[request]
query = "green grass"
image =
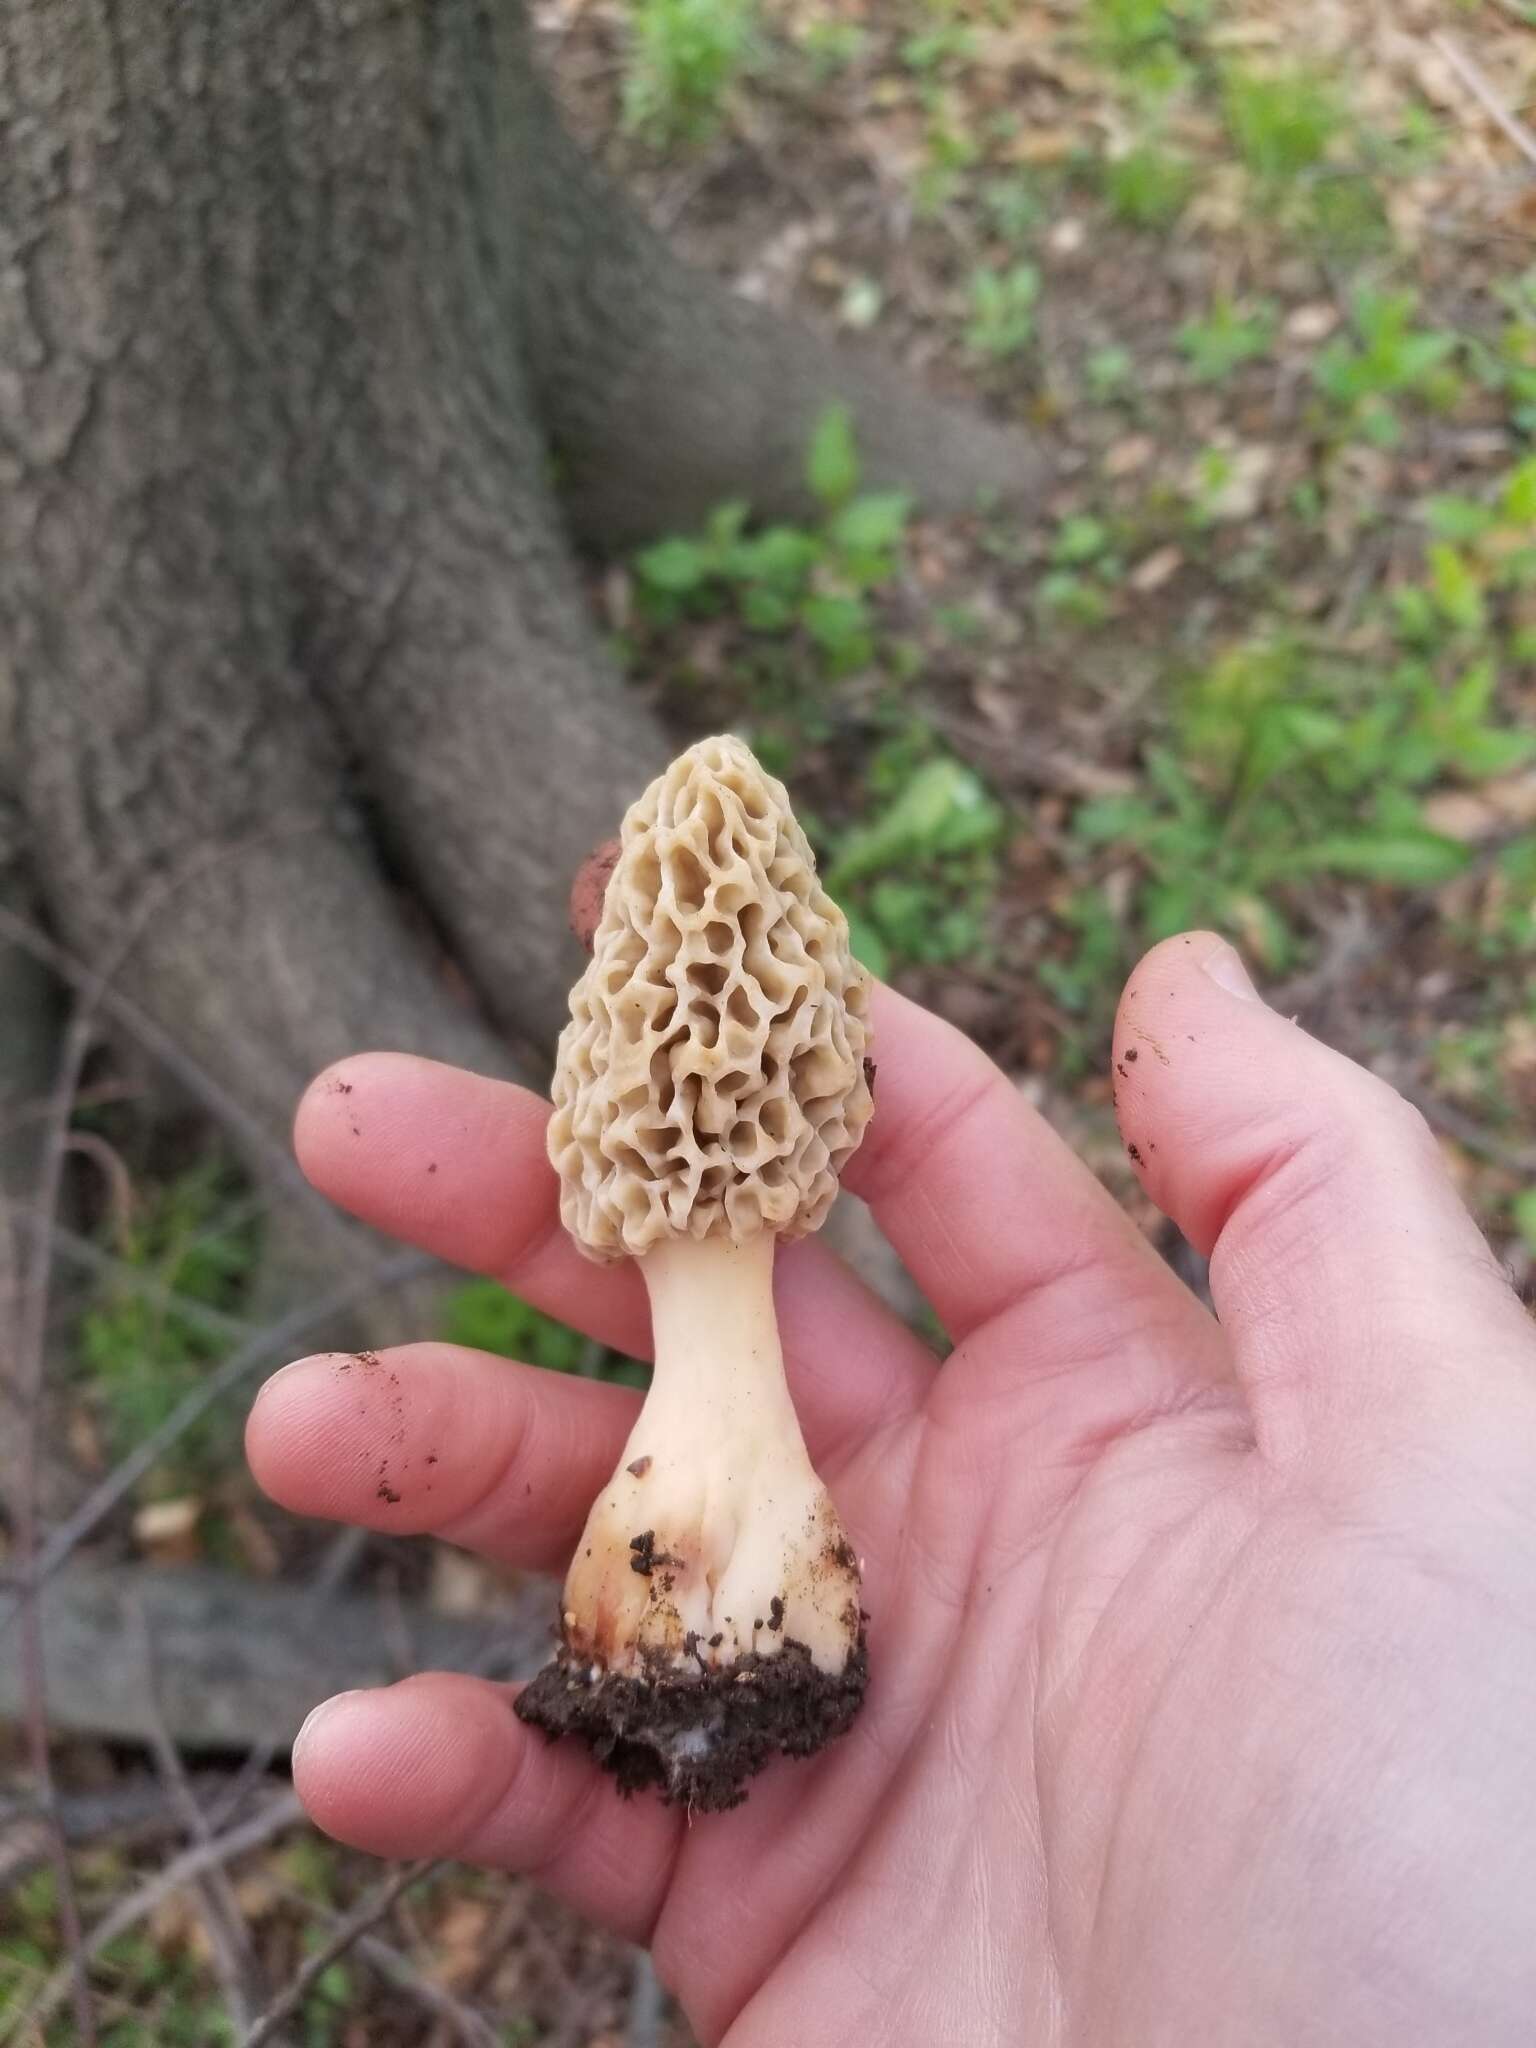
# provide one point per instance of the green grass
(486, 1317)
(1283, 123)
(918, 874)
(140, 1345)
(809, 585)
(1229, 336)
(684, 57)
(1149, 186)
(1002, 312)
(1385, 359)
(916, 867)
(1284, 763)
(1147, 44)
(149, 1993)
(832, 47)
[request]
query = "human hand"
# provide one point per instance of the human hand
(1202, 1705)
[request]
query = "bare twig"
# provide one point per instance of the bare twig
(163, 1048)
(1478, 86)
(282, 1812)
(365, 1916)
(260, 1349)
(147, 1286)
(97, 1096)
(469, 2025)
(135, 1810)
(31, 1337)
(114, 1171)
(234, 1958)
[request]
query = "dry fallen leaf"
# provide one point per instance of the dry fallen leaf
(1125, 457)
(1472, 815)
(1157, 569)
(166, 1530)
(1313, 322)
(1238, 491)
(459, 1940)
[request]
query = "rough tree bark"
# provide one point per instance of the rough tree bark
(298, 299)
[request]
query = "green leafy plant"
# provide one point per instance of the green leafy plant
(1147, 41)
(184, 1245)
(1506, 927)
(1108, 372)
(486, 1317)
(813, 582)
(1015, 206)
(1387, 356)
(1479, 548)
(1086, 973)
(684, 56)
(917, 877)
(941, 46)
(1002, 311)
(1282, 122)
(1466, 1066)
(832, 46)
(1229, 336)
(1506, 364)
(1083, 562)
(1282, 764)
(1148, 186)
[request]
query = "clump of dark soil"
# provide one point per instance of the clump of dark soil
(697, 1737)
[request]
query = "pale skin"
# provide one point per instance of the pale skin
(1203, 1694)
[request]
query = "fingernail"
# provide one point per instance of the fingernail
(316, 1715)
(1225, 967)
(282, 1373)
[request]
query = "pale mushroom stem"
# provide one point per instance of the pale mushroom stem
(714, 1539)
(719, 1364)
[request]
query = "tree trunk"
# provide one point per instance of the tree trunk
(297, 302)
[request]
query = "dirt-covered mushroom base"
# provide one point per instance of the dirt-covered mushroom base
(698, 1737)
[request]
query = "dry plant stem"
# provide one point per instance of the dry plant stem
(468, 2024)
(1476, 84)
(81, 1252)
(234, 1958)
(136, 1812)
(32, 1324)
(365, 1916)
(282, 1812)
(162, 1048)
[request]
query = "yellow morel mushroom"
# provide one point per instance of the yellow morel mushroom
(709, 1088)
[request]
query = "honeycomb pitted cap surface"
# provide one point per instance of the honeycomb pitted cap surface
(711, 1080)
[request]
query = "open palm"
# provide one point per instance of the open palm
(1203, 1657)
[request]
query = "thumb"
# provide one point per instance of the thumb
(1344, 1267)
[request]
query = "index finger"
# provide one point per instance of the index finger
(455, 1162)
(986, 1205)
